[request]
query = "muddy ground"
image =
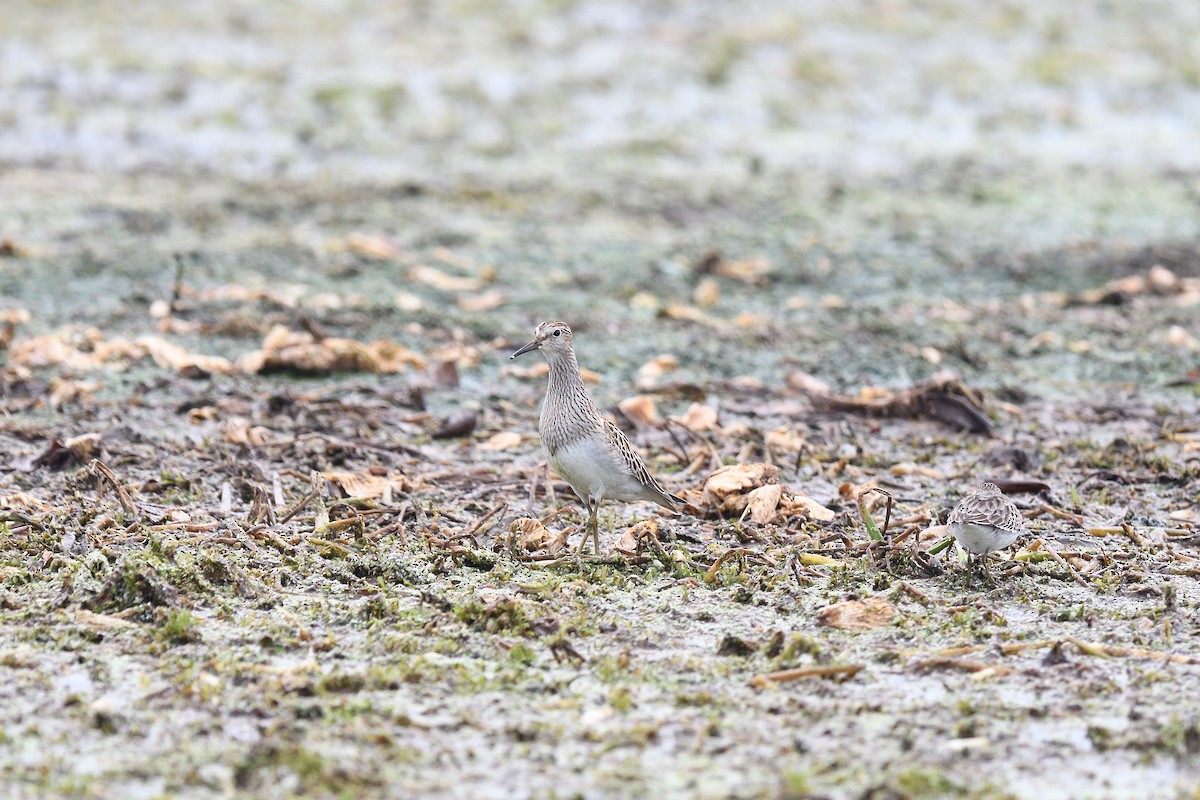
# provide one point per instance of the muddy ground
(244, 247)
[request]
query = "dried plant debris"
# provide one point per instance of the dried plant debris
(526, 535)
(753, 271)
(10, 320)
(1158, 280)
(858, 615)
(369, 485)
(457, 425)
(944, 398)
(133, 584)
(752, 491)
(274, 519)
(284, 350)
(73, 452)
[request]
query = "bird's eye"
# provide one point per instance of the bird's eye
(558, 333)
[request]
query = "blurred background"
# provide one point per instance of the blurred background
(244, 243)
(856, 156)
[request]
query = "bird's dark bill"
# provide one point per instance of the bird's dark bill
(526, 349)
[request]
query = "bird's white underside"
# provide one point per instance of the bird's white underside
(595, 471)
(978, 539)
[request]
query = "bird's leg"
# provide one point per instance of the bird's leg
(587, 502)
(593, 527)
(596, 524)
(987, 571)
(550, 488)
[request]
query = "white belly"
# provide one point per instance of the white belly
(982, 538)
(594, 471)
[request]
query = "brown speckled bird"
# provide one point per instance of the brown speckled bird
(985, 521)
(585, 448)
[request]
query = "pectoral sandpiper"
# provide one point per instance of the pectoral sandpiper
(585, 448)
(985, 521)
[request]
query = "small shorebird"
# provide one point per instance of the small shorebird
(985, 521)
(582, 446)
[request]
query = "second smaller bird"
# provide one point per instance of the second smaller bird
(985, 521)
(585, 448)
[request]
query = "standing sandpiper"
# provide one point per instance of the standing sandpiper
(590, 452)
(985, 521)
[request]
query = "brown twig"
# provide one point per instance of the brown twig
(475, 526)
(842, 671)
(963, 664)
(711, 574)
(1062, 563)
(1102, 650)
(908, 588)
(1046, 508)
(100, 469)
(298, 507)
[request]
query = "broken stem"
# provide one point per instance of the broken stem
(842, 671)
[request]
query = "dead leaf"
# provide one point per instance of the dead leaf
(24, 502)
(376, 247)
(238, 430)
(1177, 336)
(456, 425)
(748, 319)
(796, 302)
(462, 354)
(943, 397)
(75, 451)
(858, 615)
(646, 301)
(50, 351)
(283, 297)
(1162, 280)
(407, 301)
(172, 356)
(630, 541)
(532, 536)
(639, 408)
(100, 622)
(737, 479)
(909, 468)
(202, 414)
(484, 301)
(698, 417)
(832, 301)
(784, 440)
(707, 293)
(688, 313)
(179, 327)
(284, 350)
(431, 276)
(367, 486)
(10, 248)
(649, 373)
(763, 503)
(726, 492)
(1158, 280)
(801, 505)
(808, 384)
(505, 440)
(65, 391)
(753, 271)
(10, 320)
